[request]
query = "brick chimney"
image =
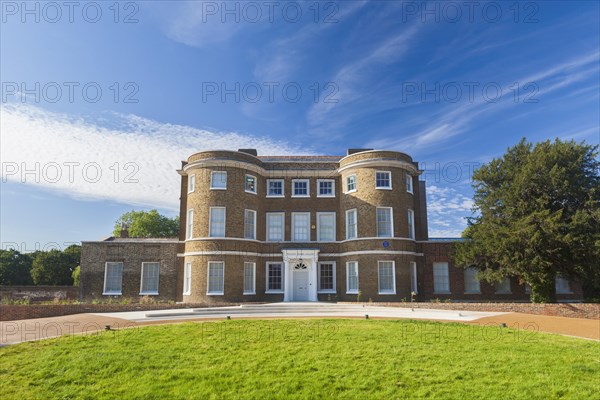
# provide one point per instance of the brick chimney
(124, 231)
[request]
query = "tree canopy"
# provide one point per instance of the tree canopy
(15, 268)
(146, 224)
(537, 214)
(55, 267)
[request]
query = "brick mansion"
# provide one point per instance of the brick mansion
(294, 228)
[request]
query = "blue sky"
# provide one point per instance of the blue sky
(452, 86)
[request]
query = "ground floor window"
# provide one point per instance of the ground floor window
(113, 278)
(216, 277)
(562, 285)
(413, 278)
(326, 277)
(503, 286)
(274, 278)
(387, 275)
(441, 281)
(187, 278)
(150, 274)
(249, 278)
(471, 281)
(352, 277)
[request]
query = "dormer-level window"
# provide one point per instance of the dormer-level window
(191, 183)
(351, 184)
(326, 188)
(218, 180)
(250, 184)
(300, 188)
(383, 180)
(275, 188)
(409, 183)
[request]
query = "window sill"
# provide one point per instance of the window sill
(350, 191)
(191, 191)
(443, 292)
(249, 293)
(478, 292)
(503, 293)
(304, 196)
(274, 292)
(215, 188)
(383, 188)
(187, 293)
(384, 293)
(148, 293)
(215, 293)
(326, 292)
(248, 191)
(564, 292)
(410, 192)
(329, 196)
(352, 292)
(275, 196)
(112, 293)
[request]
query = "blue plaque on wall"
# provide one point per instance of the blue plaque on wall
(386, 244)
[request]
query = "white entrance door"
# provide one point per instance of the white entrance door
(300, 285)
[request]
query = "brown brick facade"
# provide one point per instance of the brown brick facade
(234, 249)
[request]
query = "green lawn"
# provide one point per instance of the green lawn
(317, 359)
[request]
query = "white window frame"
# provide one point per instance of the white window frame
(445, 290)
(414, 284)
(389, 173)
(253, 266)
(294, 227)
(274, 291)
(411, 224)
(332, 213)
(470, 277)
(409, 184)
(210, 233)
(562, 285)
(189, 227)
(319, 181)
(253, 223)
(255, 184)
(282, 215)
(307, 188)
(355, 184)
(393, 290)
(319, 290)
(355, 236)
(214, 292)
(149, 293)
(502, 290)
(348, 290)
(191, 183)
(212, 180)
(391, 235)
(113, 292)
(282, 188)
(187, 279)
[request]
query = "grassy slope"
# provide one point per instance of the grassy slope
(304, 359)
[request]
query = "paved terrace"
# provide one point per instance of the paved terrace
(299, 310)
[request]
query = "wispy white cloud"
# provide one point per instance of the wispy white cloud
(447, 209)
(196, 23)
(356, 79)
(143, 151)
(455, 119)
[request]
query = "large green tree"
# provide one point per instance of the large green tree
(15, 268)
(147, 224)
(537, 214)
(53, 267)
